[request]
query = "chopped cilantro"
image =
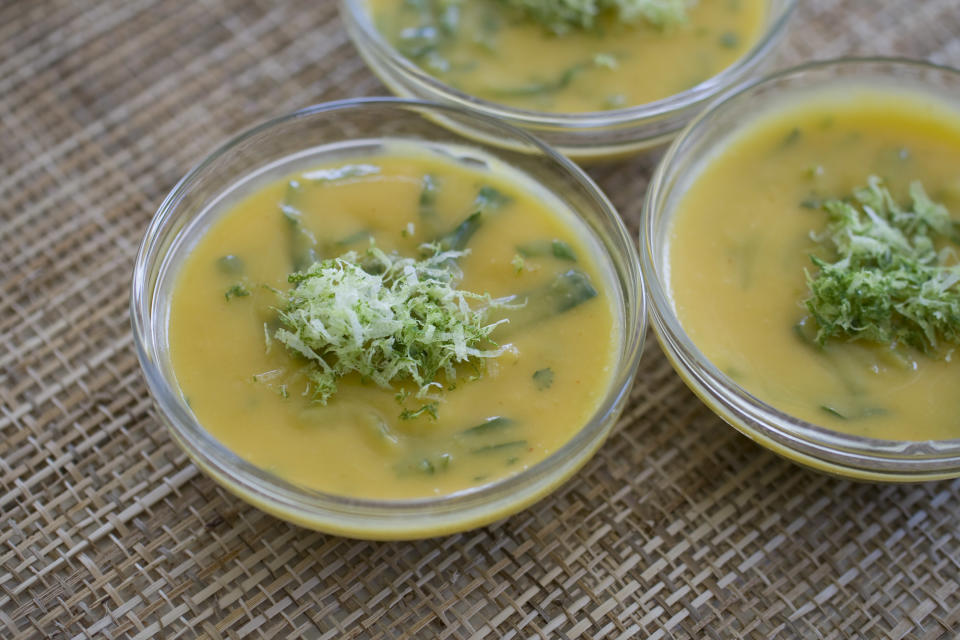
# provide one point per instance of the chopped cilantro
(563, 16)
(430, 408)
(543, 378)
(238, 290)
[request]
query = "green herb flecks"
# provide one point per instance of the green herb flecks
(459, 236)
(563, 16)
(491, 425)
(301, 241)
(890, 282)
(500, 447)
(238, 290)
(388, 319)
(543, 378)
(858, 413)
(429, 188)
(542, 87)
(429, 409)
(426, 465)
(557, 248)
(729, 40)
(490, 199)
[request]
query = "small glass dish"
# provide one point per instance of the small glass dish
(585, 137)
(823, 449)
(267, 150)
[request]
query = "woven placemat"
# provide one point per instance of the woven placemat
(679, 528)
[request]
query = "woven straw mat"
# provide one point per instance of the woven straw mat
(679, 528)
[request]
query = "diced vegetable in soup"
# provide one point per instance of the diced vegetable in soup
(814, 260)
(571, 57)
(397, 325)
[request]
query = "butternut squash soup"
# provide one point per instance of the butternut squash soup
(814, 260)
(395, 325)
(565, 57)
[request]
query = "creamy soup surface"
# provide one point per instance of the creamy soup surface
(741, 240)
(528, 402)
(492, 54)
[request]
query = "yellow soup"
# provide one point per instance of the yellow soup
(487, 51)
(741, 242)
(249, 391)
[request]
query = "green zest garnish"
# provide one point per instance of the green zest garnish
(895, 279)
(562, 16)
(387, 318)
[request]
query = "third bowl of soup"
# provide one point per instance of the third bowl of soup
(800, 242)
(595, 79)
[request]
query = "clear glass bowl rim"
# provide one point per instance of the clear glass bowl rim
(576, 121)
(308, 503)
(898, 460)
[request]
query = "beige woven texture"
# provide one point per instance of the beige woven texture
(679, 528)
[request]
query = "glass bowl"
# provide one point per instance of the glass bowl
(272, 149)
(814, 446)
(584, 137)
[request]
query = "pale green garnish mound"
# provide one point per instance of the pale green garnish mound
(896, 279)
(388, 318)
(562, 16)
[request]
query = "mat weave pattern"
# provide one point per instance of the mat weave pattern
(679, 528)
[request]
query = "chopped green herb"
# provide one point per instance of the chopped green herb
(566, 291)
(503, 446)
(459, 237)
(490, 199)
(729, 40)
(430, 409)
(387, 318)
(302, 242)
(496, 423)
(562, 251)
(429, 187)
(792, 138)
(889, 283)
(541, 87)
(518, 263)
(856, 414)
(231, 265)
(543, 378)
(557, 248)
(563, 16)
(238, 290)
(429, 466)
(569, 290)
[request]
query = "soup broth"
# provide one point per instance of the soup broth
(496, 55)
(248, 390)
(741, 243)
